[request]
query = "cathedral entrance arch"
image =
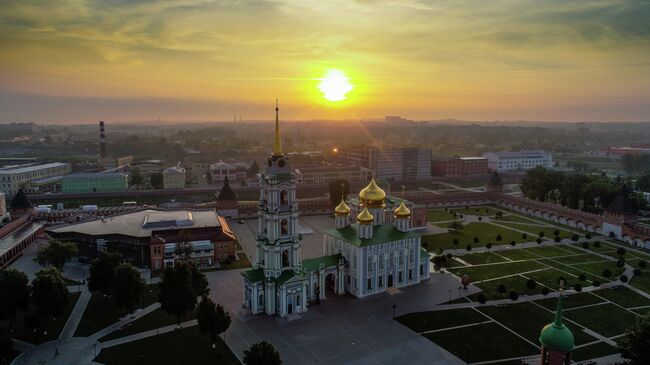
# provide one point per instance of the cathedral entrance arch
(285, 258)
(390, 280)
(330, 285)
(290, 308)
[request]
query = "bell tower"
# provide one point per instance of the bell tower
(278, 244)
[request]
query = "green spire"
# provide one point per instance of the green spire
(556, 336)
(558, 311)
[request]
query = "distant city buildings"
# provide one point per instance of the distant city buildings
(99, 182)
(318, 174)
(174, 178)
(634, 149)
(220, 170)
(32, 178)
(400, 163)
(109, 163)
(518, 161)
(148, 167)
(154, 239)
(459, 166)
(3, 206)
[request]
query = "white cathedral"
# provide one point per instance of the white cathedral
(363, 258)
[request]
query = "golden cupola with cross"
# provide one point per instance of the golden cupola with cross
(372, 196)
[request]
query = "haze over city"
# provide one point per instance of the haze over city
(80, 61)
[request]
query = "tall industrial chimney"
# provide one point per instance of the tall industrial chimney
(102, 141)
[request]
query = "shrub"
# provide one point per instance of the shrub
(541, 234)
(582, 277)
(597, 244)
(449, 256)
(481, 298)
(524, 236)
(623, 278)
(585, 244)
(531, 284)
(480, 218)
(620, 262)
(513, 295)
(502, 289)
(643, 264)
(499, 238)
(556, 232)
(539, 241)
(455, 241)
(488, 245)
(475, 240)
(513, 243)
(588, 236)
(577, 287)
(607, 273)
(461, 216)
(557, 239)
(468, 248)
(595, 283)
(621, 251)
(575, 237)
(545, 291)
(637, 272)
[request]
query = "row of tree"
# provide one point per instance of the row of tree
(586, 192)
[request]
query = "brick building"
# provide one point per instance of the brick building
(459, 166)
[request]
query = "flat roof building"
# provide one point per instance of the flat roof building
(174, 178)
(459, 166)
(518, 161)
(13, 178)
(100, 182)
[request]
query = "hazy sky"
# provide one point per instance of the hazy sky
(85, 60)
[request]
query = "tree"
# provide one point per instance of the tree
(556, 232)
(620, 251)
(524, 236)
(596, 244)
(14, 294)
(338, 189)
(539, 240)
(513, 243)
(575, 237)
(253, 170)
(200, 282)
(49, 293)
(582, 277)
(213, 320)
(643, 264)
(557, 239)
(56, 253)
(262, 353)
(623, 278)
(635, 347)
(468, 247)
(606, 273)
(499, 215)
(577, 287)
(102, 271)
(177, 293)
(531, 284)
(502, 289)
(585, 244)
(475, 240)
(513, 295)
(127, 286)
(545, 291)
(156, 180)
(456, 226)
(595, 283)
(499, 238)
(455, 241)
(135, 178)
(488, 245)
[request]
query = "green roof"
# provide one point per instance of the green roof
(254, 275)
(328, 261)
(556, 336)
(284, 277)
(424, 254)
(382, 233)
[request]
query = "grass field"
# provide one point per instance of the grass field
(484, 211)
(485, 232)
(624, 297)
(439, 215)
(434, 320)
(615, 322)
(101, 311)
(156, 319)
(183, 347)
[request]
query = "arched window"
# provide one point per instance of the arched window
(284, 197)
(284, 227)
(285, 258)
(261, 300)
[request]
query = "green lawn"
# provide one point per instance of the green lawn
(579, 259)
(605, 248)
(536, 318)
(607, 319)
(571, 301)
(439, 215)
(514, 218)
(102, 312)
(484, 231)
(484, 211)
(482, 342)
(550, 277)
(156, 319)
(554, 251)
(624, 297)
(642, 282)
(516, 254)
(512, 283)
(596, 268)
(482, 258)
(53, 326)
(593, 351)
(434, 320)
(549, 232)
(186, 346)
(478, 273)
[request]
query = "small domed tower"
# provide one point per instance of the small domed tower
(342, 215)
(373, 198)
(365, 226)
(556, 339)
(402, 218)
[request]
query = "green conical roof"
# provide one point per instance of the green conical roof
(556, 336)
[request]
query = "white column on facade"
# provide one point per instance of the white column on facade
(304, 297)
(321, 284)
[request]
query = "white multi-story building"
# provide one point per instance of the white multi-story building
(13, 178)
(518, 161)
(3, 206)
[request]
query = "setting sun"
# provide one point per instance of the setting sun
(335, 85)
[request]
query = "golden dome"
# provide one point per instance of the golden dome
(372, 195)
(342, 208)
(402, 211)
(365, 217)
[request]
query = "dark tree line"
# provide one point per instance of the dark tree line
(586, 192)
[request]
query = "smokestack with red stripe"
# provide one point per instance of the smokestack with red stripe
(102, 141)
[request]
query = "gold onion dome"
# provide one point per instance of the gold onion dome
(402, 211)
(372, 195)
(365, 217)
(342, 208)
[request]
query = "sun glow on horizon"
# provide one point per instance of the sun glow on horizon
(335, 85)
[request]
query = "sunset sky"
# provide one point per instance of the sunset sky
(117, 60)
